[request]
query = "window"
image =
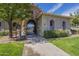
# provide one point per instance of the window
(64, 25)
(51, 24)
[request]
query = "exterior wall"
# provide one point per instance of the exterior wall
(4, 25)
(57, 23)
(43, 24)
(39, 26)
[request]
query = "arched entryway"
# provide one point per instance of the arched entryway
(31, 27)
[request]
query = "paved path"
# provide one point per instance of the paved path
(5, 39)
(42, 49)
(76, 35)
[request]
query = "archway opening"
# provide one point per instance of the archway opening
(31, 27)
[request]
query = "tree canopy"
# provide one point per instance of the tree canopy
(13, 11)
(75, 20)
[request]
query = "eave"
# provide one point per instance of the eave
(59, 16)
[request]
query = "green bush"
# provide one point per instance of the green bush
(3, 33)
(47, 34)
(55, 34)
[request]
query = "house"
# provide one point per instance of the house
(53, 22)
(49, 22)
(44, 21)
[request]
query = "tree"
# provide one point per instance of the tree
(22, 15)
(75, 20)
(12, 11)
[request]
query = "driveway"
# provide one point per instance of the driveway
(42, 48)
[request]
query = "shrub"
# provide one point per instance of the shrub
(47, 34)
(55, 33)
(3, 33)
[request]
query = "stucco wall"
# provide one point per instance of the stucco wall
(4, 25)
(39, 26)
(57, 23)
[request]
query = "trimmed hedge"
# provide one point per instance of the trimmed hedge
(3, 33)
(55, 34)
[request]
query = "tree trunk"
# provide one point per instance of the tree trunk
(10, 28)
(20, 29)
(20, 33)
(4, 28)
(16, 32)
(10, 19)
(26, 32)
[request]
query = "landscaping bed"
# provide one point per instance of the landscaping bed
(4, 33)
(68, 44)
(56, 33)
(11, 49)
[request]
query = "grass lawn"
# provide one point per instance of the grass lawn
(68, 44)
(11, 49)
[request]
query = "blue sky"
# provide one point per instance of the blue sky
(59, 8)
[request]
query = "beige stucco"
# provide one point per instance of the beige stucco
(45, 23)
(4, 25)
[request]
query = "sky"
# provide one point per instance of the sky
(59, 8)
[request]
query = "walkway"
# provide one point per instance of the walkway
(5, 39)
(42, 49)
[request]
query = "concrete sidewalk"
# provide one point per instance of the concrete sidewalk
(5, 39)
(43, 49)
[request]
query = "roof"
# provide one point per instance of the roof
(49, 14)
(54, 15)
